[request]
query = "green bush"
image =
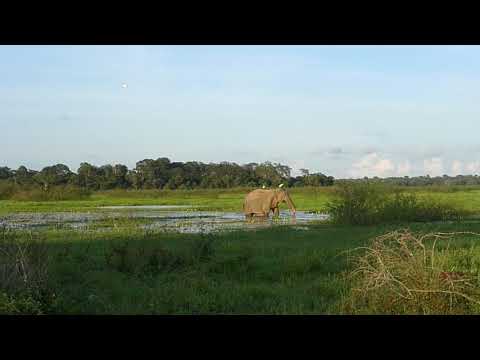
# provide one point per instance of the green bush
(367, 204)
(19, 305)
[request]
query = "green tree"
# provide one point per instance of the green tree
(53, 175)
(88, 176)
(5, 173)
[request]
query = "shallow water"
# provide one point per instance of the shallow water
(148, 207)
(157, 218)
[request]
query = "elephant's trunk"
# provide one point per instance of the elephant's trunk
(290, 204)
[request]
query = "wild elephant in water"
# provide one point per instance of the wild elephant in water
(260, 202)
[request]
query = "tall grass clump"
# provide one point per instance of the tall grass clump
(55, 193)
(406, 273)
(24, 274)
(145, 257)
(367, 204)
(7, 189)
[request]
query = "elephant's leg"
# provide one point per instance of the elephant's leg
(276, 212)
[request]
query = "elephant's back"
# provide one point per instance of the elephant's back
(257, 200)
(258, 193)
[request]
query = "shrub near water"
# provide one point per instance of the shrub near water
(367, 204)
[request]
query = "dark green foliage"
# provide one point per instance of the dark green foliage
(150, 257)
(444, 181)
(312, 180)
(5, 173)
(157, 174)
(203, 249)
(53, 175)
(103, 177)
(372, 203)
(141, 258)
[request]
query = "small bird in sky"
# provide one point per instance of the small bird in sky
(124, 85)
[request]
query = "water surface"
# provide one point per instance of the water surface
(179, 218)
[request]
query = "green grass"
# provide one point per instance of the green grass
(279, 270)
(272, 271)
(306, 199)
(313, 199)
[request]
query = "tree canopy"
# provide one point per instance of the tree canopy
(164, 174)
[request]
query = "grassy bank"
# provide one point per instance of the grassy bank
(313, 199)
(280, 270)
(307, 198)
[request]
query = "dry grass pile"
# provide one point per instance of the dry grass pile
(24, 274)
(407, 273)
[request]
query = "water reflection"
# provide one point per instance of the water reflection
(154, 219)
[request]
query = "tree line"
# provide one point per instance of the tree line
(163, 174)
(426, 180)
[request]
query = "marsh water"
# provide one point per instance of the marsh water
(180, 218)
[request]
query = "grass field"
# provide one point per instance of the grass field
(307, 199)
(279, 270)
(274, 271)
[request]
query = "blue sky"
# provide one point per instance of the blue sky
(347, 111)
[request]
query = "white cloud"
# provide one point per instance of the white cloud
(433, 166)
(473, 167)
(404, 168)
(296, 165)
(457, 167)
(372, 165)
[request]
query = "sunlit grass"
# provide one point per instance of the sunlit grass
(305, 199)
(281, 270)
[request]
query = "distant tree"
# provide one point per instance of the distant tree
(5, 173)
(24, 176)
(133, 179)
(268, 174)
(153, 174)
(88, 176)
(120, 174)
(162, 173)
(53, 175)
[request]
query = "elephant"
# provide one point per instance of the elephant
(260, 202)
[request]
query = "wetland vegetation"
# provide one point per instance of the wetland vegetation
(278, 270)
(93, 254)
(120, 265)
